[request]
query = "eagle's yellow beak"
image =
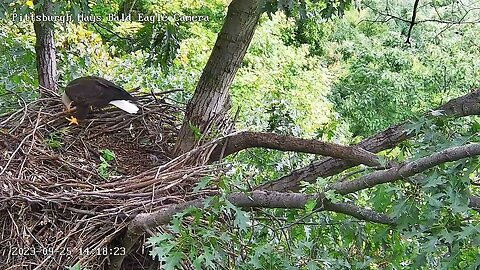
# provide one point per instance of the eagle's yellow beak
(72, 120)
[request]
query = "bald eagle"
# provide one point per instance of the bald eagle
(91, 91)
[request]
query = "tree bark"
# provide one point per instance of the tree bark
(406, 170)
(211, 99)
(466, 105)
(255, 199)
(141, 222)
(248, 139)
(45, 48)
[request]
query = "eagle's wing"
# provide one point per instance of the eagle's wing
(95, 91)
(117, 96)
(98, 92)
(112, 91)
(83, 92)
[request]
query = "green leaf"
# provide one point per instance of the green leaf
(176, 224)
(312, 266)
(434, 180)
(459, 200)
(310, 205)
(333, 196)
(255, 261)
(162, 251)
(173, 260)
(107, 154)
(435, 201)
(241, 220)
(447, 236)
(77, 266)
(202, 184)
(209, 258)
(197, 262)
(159, 238)
(467, 231)
(197, 133)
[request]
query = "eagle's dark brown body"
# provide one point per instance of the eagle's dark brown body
(91, 91)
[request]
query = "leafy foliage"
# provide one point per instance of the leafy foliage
(321, 9)
(154, 27)
(338, 80)
(75, 267)
(384, 70)
(281, 85)
(17, 66)
(106, 157)
(55, 139)
(382, 79)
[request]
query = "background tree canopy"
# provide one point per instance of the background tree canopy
(333, 71)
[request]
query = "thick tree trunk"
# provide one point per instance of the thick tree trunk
(211, 99)
(45, 48)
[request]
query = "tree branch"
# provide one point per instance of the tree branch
(474, 203)
(466, 105)
(389, 16)
(291, 200)
(440, 20)
(412, 22)
(256, 199)
(137, 226)
(407, 169)
(248, 139)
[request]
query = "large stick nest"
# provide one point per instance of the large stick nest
(58, 194)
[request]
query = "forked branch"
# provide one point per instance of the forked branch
(408, 169)
(466, 105)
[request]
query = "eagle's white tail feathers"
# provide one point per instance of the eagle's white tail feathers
(125, 105)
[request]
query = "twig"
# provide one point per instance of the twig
(31, 144)
(412, 22)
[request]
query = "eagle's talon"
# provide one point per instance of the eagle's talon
(72, 120)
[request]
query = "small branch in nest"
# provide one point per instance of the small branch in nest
(229, 130)
(58, 175)
(31, 144)
(153, 95)
(169, 91)
(15, 152)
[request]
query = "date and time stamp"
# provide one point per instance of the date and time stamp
(66, 251)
